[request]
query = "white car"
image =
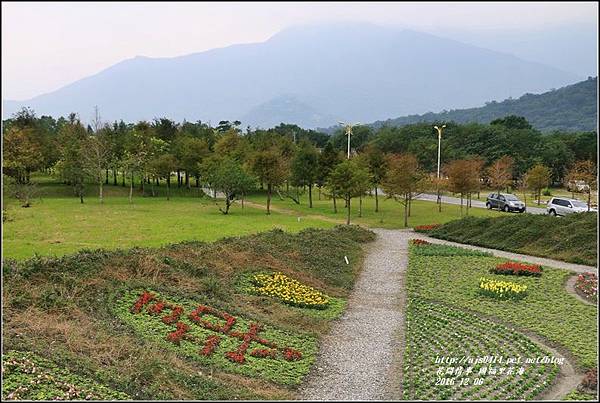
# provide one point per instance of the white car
(563, 206)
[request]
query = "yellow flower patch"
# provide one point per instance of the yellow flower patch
(502, 289)
(288, 290)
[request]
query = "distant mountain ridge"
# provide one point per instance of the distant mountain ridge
(571, 108)
(309, 75)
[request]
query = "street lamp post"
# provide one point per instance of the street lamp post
(348, 127)
(439, 197)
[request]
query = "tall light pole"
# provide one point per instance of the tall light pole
(349, 127)
(439, 131)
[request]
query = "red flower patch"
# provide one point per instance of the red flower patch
(517, 269)
(178, 334)
(263, 353)
(211, 344)
(425, 228)
(199, 317)
(173, 317)
(418, 242)
(289, 354)
(157, 308)
(141, 301)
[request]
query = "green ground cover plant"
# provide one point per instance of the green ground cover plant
(572, 238)
(445, 250)
(548, 310)
(26, 376)
(64, 309)
(195, 342)
(437, 331)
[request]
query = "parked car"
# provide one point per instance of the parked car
(505, 202)
(564, 206)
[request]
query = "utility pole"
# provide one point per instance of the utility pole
(439, 197)
(348, 127)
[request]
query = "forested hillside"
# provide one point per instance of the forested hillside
(571, 108)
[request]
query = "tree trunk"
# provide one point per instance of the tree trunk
(131, 190)
(106, 176)
(123, 179)
(178, 178)
(114, 177)
(348, 216)
(376, 201)
(539, 195)
(169, 187)
(101, 198)
(589, 198)
(406, 199)
(409, 204)
(187, 180)
(319, 187)
(197, 181)
(334, 204)
(360, 206)
(309, 196)
(269, 199)
(461, 204)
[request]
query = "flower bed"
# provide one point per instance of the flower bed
(426, 228)
(517, 269)
(587, 286)
(435, 249)
(26, 376)
(287, 290)
(419, 242)
(435, 331)
(215, 337)
(501, 289)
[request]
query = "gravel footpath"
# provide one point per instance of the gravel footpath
(579, 268)
(358, 358)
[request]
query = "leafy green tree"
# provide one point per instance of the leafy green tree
(304, 168)
(227, 175)
(512, 122)
(71, 166)
(22, 153)
(349, 179)
(96, 157)
(162, 167)
(270, 168)
(328, 159)
(403, 180)
(376, 164)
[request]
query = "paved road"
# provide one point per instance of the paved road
(474, 203)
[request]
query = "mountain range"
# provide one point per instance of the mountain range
(571, 108)
(311, 75)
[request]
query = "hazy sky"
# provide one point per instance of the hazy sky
(47, 45)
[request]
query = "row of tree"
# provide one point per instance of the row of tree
(286, 160)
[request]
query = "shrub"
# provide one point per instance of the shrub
(546, 192)
(572, 238)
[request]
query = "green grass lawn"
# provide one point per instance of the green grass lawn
(547, 310)
(74, 317)
(60, 225)
(390, 215)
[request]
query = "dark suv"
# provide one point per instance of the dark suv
(505, 202)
